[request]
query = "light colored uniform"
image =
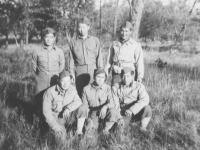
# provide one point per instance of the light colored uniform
(95, 98)
(128, 54)
(133, 98)
(47, 64)
(55, 101)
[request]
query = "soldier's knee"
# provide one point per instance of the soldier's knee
(112, 111)
(147, 111)
(82, 112)
(112, 115)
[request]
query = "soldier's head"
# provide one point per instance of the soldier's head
(126, 31)
(127, 75)
(99, 76)
(49, 37)
(65, 79)
(83, 26)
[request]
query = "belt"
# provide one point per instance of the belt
(124, 64)
(96, 108)
(48, 73)
(85, 64)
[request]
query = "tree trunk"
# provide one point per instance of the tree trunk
(7, 31)
(27, 36)
(21, 43)
(115, 19)
(100, 21)
(6, 44)
(136, 8)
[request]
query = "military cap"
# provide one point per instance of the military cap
(127, 24)
(126, 70)
(48, 31)
(64, 74)
(85, 20)
(99, 71)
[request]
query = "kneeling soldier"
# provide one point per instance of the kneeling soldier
(60, 103)
(131, 100)
(97, 97)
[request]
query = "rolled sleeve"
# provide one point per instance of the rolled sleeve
(115, 96)
(110, 103)
(99, 58)
(62, 61)
(109, 60)
(143, 100)
(47, 111)
(139, 61)
(84, 98)
(71, 61)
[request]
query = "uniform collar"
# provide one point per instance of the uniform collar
(130, 40)
(61, 91)
(102, 87)
(132, 84)
(78, 37)
(45, 47)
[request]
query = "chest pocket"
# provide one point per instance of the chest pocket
(54, 57)
(42, 58)
(90, 48)
(78, 51)
(103, 98)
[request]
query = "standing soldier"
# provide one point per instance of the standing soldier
(125, 53)
(85, 55)
(47, 62)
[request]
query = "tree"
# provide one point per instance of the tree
(115, 19)
(136, 8)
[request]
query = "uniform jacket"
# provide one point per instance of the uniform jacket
(135, 94)
(84, 52)
(128, 54)
(55, 101)
(48, 61)
(97, 97)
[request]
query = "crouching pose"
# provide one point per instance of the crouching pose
(97, 97)
(62, 103)
(131, 100)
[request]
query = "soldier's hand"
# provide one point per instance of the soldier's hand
(139, 80)
(66, 113)
(103, 112)
(120, 122)
(116, 69)
(73, 78)
(59, 131)
(128, 112)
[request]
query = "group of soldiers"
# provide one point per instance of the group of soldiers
(92, 100)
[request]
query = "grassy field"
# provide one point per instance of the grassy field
(173, 90)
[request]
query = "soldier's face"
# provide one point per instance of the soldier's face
(49, 39)
(127, 78)
(100, 79)
(125, 33)
(65, 83)
(83, 29)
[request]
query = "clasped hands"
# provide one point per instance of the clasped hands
(121, 120)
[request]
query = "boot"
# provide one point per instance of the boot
(80, 124)
(144, 123)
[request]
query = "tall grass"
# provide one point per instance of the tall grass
(174, 94)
